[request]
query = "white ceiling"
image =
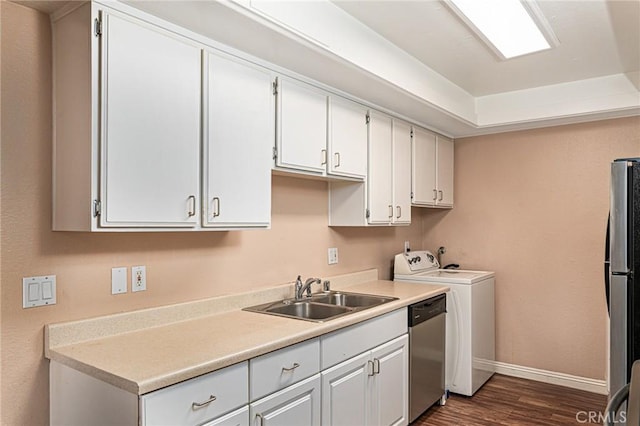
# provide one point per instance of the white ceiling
(597, 38)
(417, 59)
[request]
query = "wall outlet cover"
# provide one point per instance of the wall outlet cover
(118, 280)
(138, 278)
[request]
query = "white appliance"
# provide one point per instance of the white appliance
(470, 322)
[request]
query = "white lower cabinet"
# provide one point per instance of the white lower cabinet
(296, 405)
(369, 389)
(354, 376)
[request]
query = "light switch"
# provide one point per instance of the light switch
(38, 291)
(47, 292)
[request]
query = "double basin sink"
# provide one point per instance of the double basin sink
(320, 307)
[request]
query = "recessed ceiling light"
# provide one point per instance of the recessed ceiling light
(510, 28)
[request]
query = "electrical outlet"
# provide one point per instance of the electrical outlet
(407, 247)
(333, 255)
(138, 278)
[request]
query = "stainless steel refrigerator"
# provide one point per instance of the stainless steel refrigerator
(623, 278)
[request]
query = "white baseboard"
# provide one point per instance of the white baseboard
(575, 382)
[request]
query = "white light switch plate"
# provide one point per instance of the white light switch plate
(118, 280)
(38, 291)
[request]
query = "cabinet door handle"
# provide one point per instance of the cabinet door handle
(196, 405)
(435, 194)
(337, 154)
(216, 206)
(324, 157)
(390, 211)
(261, 418)
(376, 366)
(293, 367)
(441, 195)
(398, 212)
(192, 205)
(370, 368)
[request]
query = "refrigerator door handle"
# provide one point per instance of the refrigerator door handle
(618, 212)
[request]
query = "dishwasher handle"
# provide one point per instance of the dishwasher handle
(427, 309)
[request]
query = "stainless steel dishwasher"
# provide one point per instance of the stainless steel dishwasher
(426, 354)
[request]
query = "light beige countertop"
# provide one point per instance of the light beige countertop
(177, 343)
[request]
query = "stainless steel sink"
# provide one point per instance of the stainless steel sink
(321, 307)
(352, 300)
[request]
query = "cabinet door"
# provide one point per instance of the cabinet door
(401, 172)
(390, 405)
(151, 85)
(302, 127)
(347, 138)
(445, 171)
(235, 418)
(345, 392)
(296, 405)
(380, 177)
(239, 132)
(423, 180)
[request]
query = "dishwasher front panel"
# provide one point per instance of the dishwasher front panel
(426, 364)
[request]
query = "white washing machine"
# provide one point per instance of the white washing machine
(470, 322)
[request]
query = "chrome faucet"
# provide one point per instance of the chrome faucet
(301, 288)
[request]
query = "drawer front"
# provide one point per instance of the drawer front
(356, 339)
(276, 370)
(178, 404)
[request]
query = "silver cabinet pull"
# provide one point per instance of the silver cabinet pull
(216, 206)
(293, 367)
(441, 195)
(398, 212)
(370, 368)
(337, 154)
(261, 418)
(196, 405)
(390, 211)
(324, 157)
(192, 205)
(435, 194)
(376, 366)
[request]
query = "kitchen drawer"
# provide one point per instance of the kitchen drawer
(276, 370)
(237, 418)
(356, 339)
(175, 404)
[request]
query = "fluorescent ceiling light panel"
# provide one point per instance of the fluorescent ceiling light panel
(506, 25)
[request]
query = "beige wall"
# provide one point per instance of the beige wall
(180, 266)
(533, 206)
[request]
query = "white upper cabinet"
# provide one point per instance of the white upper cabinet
(347, 142)
(432, 169)
(239, 132)
(380, 181)
(150, 135)
(301, 140)
(319, 133)
(385, 198)
(401, 172)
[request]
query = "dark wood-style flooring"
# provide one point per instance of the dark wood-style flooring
(512, 401)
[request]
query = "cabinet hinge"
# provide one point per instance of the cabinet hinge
(97, 208)
(98, 27)
(412, 133)
(275, 86)
(367, 213)
(367, 118)
(275, 152)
